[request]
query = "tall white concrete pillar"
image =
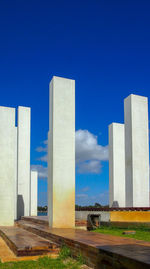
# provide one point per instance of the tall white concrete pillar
(136, 151)
(7, 166)
(116, 165)
(61, 152)
(34, 193)
(16, 181)
(23, 199)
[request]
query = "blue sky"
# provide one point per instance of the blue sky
(103, 45)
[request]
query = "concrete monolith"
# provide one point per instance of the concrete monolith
(7, 166)
(61, 160)
(136, 151)
(116, 165)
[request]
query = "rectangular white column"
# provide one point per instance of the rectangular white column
(23, 200)
(16, 181)
(34, 193)
(136, 151)
(116, 165)
(7, 166)
(61, 152)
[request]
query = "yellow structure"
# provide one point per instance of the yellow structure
(130, 216)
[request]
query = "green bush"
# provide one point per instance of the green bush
(65, 252)
(80, 258)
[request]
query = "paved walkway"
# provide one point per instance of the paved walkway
(98, 247)
(99, 250)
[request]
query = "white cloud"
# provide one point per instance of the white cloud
(92, 167)
(45, 142)
(42, 170)
(89, 153)
(43, 158)
(82, 195)
(87, 147)
(41, 149)
(85, 189)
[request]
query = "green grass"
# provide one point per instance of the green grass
(142, 232)
(43, 263)
(64, 253)
(40, 263)
(64, 261)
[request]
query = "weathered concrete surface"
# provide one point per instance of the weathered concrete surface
(61, 147)
(130, 216)
(23, 161)
(7, 166)
(34, 193)
(6, 255)
(116, 165)
(136, 151)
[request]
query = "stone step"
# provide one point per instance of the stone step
(39, 219)
(37, 228)
(25, 243)
(44, 220)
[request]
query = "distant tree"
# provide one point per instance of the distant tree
(42, 208)
(97, 205)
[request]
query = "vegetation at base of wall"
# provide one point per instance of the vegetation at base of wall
(43, 263)
(142, 232)
(40, 263)
(64, 261)
(64, 253)
(80, 258)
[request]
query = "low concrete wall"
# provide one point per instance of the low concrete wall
(119, 218)
(82, 215)
(130, 216)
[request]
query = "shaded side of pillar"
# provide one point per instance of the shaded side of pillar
(34, 193)
(23, 199)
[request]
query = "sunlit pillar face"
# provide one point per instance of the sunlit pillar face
(61, 153)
